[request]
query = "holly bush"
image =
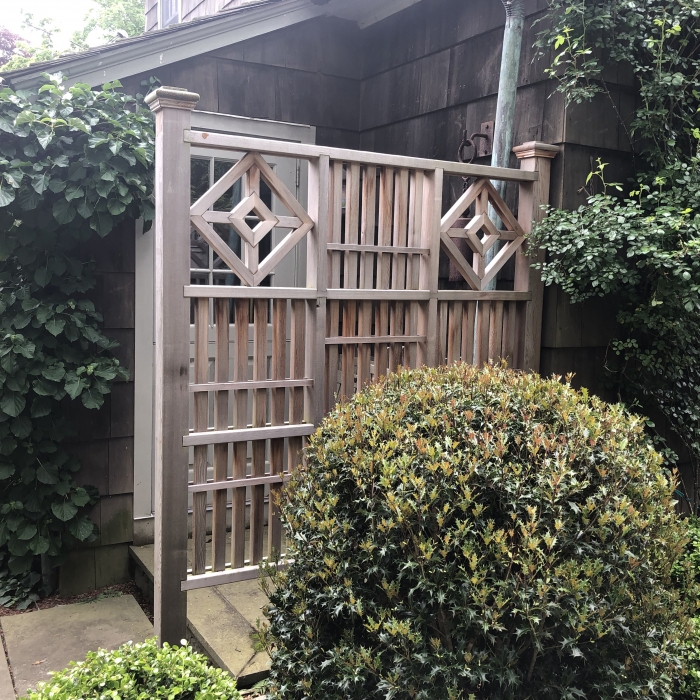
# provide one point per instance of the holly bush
(140, 672)
(74, 163)
(461, 532)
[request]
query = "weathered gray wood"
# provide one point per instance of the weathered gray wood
(264, 384)
(279, 365)
(214, 437)
(375, 339)
(171, 366)
(298, 150)
(225, 292)
(272, 479)
(221, 398)
(534, 157)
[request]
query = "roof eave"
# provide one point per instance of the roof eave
(117, 62)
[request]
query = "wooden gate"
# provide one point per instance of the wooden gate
(374, 230)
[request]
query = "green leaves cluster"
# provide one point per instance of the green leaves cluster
(461, 532)
(74, 163)
(657, 40)
(644, 250)
(140, 672)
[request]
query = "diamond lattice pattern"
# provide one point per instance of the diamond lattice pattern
(252, 272)
(480, 234)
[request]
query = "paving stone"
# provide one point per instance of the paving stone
(7, 691)
(247, 598)
(48, 640)
(224, 634)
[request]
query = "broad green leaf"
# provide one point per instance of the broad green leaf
(39, 544)
(55, 325)
(26, 531)
(42, 276)
(6, 470)
(63, 211)
(46, 475)
(7, 196)
(21, 427)
(12, 403)
(74, 386)
(54, 372)
(64, 511)
(80, 497)
(82, 528)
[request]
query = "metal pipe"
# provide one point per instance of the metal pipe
(505, 107)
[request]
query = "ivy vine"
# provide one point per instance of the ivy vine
(74, 163)
(640, 243)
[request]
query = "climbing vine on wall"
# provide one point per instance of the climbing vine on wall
(639, 242)
(74, 162)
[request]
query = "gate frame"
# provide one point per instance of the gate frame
(173, 111)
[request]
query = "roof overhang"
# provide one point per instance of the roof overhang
(163, 47)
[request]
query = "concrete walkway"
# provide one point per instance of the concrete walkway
(221, 620)
(48, 640)
(7, 691)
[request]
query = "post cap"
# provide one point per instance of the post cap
(172, 97)
(536, 149)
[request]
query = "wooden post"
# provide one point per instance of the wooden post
(173, 108)
(533, 156)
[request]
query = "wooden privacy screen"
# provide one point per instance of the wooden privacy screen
(268, 362)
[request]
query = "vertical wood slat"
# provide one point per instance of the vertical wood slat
(414, 261)
(201, 418)
(441, 335)
(454, 332)
(279, 369)
(468, 320)
(240, 420)
(496, 331)
(352, 221)
(257, 498)
(398, 274)
(221, 374)
(483, 316)
(335, 215)
(369, 196)
(430, 266)
(296, 371)
(386, 206)
(509, 332)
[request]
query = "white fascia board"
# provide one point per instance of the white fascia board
(118, 62)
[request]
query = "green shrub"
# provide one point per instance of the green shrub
(140, 672)
(462, 531)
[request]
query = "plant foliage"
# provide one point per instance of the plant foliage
(462, 532)
(73, 163)
(642, 243)
(140, 672)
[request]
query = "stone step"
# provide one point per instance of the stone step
(221, 620)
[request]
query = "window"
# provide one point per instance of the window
(169, 12)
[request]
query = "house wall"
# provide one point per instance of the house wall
(308, 74)
(104, 441)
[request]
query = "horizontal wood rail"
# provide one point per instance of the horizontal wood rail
(203, 139)
(220, 578)
(244, 386)
(374, 339)
(217, 437)
(220, 291)
(238, 483)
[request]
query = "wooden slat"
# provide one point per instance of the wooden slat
(442, 330)
(221, 375)
(240, 421)
(386, 208)
(508, 349)
(220, 578)
(300, 150)
(471, 295)
(468, 320)
(257, 497)
(367, 231)
(296, 370)
(222, 486)
(251, 254)
(454, 332)
(201, 406)
(398, 276)
(375, 339)
(360, 248)
(413, 264)
(483, 316)
(265, 384)
(496, 330)
(223, 217)
(220, 291)
(378, 294)
(333, 319)
(279, 370)
(351, 270)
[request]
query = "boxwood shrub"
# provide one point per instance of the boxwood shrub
(462, 532)
(140, 672)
